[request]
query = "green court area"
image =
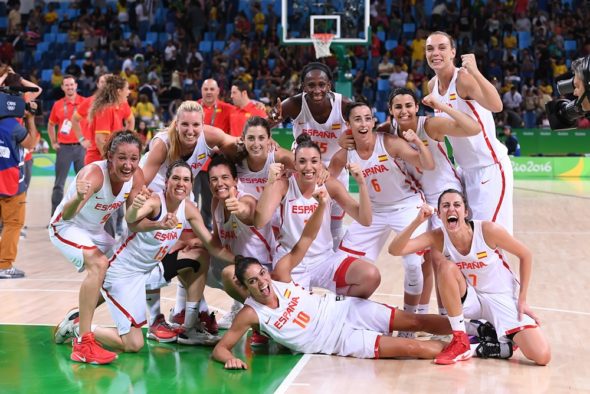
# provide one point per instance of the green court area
(31, 363)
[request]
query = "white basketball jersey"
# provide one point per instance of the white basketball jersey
(480, 150)
(252, 182)
(243, 239)
(387, 180)
(99, 206)
(485, 268)
(196, 161)
(295, 212)
(141, 251)
(324, 134)
(444, 176)
(303, 322)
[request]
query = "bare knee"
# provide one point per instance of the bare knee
(538, 356)
(133, 344)
(446, 270)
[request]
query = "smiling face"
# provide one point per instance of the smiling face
(256, 141)
(124, 162)
(210, 92)
(452, 211)
(189, 125)
(221, 181)
(258, 282)
(361, 121)
(308, 163)
(439, 52)
(316, 85)
(69, 87)
(404, 110)
(179, 184)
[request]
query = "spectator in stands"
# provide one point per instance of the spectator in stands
(386, 67)
(511, 141)
(41, 147)
(512, 107)
(56, 81)
(170, 53)
(89, 68)
(418, 47)
(530, 105)
(245, 108)
(143, 18)
(73, 68)
(14, 20)
(398, 78)
(145, 111)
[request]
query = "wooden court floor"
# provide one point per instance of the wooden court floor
(551, 217)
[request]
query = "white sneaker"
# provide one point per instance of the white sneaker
(197, 336)
(226, 321)
(406, 334)
(68, 327)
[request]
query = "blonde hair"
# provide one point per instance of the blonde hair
(174, 153)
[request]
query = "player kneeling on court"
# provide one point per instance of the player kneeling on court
(314, 323)
(475, 282)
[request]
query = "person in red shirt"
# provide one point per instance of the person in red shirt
(245, 108)
(107, 114)
(67, 147)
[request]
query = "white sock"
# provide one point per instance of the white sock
(410, 308)
(203, 307)
(153, 302)
(422, 309)
(191, 314)
(180, 299)
(457, 322)
(93, 327)
(442, 311)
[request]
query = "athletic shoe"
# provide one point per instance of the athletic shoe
(457, 350)
(209, 321)
(486, 332)
(226, 321)
(161, 331)
(487, 349)
(406, 334)
(198, 336)
(11, 273)
(87, 350)
(257, 339)
(176, 319)
(68, 327)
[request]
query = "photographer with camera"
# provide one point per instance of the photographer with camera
(564, 114)
(14, 138)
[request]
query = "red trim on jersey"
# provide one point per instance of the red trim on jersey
(351, 251)
(340, 274)
(412, 185)
(123, 245)
(391, 317)
(336, 217)
(264, 241)
(67, 242)
(376, 348)
(127, 314)
(519, 329)
(446, 156)
(489, 145)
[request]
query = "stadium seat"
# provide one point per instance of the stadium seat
(3, 22)
(390, 44)
(381, 35)
(62, 37)
(218, 46)
(570, 46)
(49, 37)
(380, 116)
(80, 47)
(409, 30)
(209, 36)
(205, 46)
(524, 39)
(382, 85)
(46, 74)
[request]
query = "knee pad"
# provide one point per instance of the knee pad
(413, 279)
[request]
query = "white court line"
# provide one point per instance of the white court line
(43, 290)
(554, 232)
(293, 374)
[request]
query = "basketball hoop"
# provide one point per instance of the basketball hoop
(321, 44)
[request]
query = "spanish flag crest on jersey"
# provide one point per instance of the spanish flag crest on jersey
(125, 196)
(482, 255)
(287, 293)
(453, 96)
(179, 225)
(382, 158)
(201, 156)
(336, 126)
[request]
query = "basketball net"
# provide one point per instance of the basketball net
(321, 44)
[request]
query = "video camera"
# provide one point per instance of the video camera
(12, 104)
(562, 113)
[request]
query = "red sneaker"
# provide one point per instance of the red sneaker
(458, 350)
(257, 339)
(178, 318)
(209, 321)
(87, 350)
(161, 331)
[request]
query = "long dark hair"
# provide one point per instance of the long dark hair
(254, 121)
(242, 264)
(305, 141)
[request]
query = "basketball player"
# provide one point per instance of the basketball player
(483, 160)
(475, 282)
(313, 323)
(322, 266)
(395, 198)
(77, 229)
(317, 111)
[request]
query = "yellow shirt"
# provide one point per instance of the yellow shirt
(418, 49)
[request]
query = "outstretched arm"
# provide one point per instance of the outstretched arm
(271, 196)
(402, 244)
(222, 352)
(282, 271)
(460, 124)
(358, 210)
(471, 84)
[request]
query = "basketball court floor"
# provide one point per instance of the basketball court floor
(551, 217)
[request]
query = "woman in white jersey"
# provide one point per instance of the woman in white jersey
(77, 229)
(394, 197)
(189, 139)
(321, 266)
(482, 159)
(317, 111)
(403, 107)
(165, 214)
(475, 281)
(313, 323)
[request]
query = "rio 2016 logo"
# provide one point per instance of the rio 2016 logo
(532, 167)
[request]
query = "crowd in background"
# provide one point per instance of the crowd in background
(156, 46)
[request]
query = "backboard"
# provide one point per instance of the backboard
(347, 20)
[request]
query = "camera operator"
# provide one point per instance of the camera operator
(563, 113)
(14, 138)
